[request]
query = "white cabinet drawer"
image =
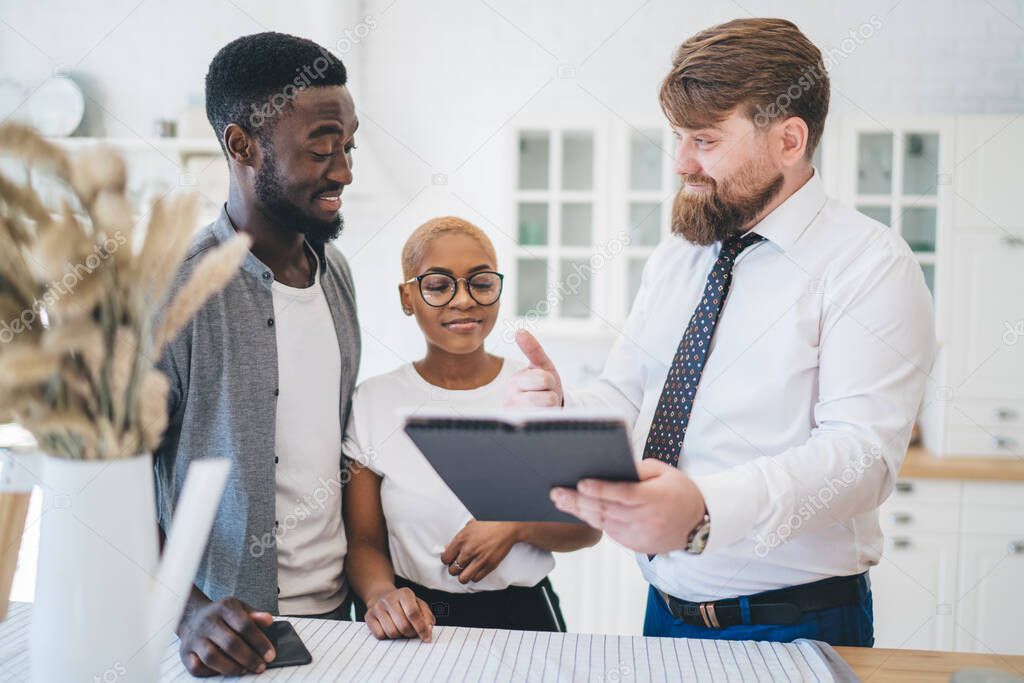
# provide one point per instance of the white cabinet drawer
(995, 519)
(988, 413)
(1009, 494)
(915, 491)
(987, 442)
(900, 519)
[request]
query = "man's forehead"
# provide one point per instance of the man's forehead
(733, 120)
(324, 104)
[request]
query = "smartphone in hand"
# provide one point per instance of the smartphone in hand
(289, 647)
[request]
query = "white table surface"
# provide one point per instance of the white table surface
(347, 651)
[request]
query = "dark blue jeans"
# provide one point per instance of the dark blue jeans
(849, 625)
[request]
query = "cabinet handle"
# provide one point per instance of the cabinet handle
(1004, 414)
(901, 543)
(1004, 442)
(1013, 241)
(904, 487)
(902, 518)
(1016, 548)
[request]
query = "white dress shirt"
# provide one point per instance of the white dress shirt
(422, 513)
(804, 410)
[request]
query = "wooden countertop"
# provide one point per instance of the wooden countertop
(922, 464)
(879, 665)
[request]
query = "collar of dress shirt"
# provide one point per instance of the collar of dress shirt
(787, 222)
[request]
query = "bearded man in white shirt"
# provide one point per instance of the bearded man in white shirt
(772, 364)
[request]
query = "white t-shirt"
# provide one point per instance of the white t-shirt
(310, 534)
(422, 513)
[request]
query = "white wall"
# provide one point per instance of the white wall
(446, 82)
(440, 85)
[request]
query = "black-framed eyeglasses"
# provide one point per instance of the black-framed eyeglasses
(438, 289)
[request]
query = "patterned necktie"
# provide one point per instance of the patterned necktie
(665, 440)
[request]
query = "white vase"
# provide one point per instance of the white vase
(105, 605)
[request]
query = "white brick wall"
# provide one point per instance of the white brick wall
(953, 56)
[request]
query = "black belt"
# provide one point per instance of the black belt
(782, 606)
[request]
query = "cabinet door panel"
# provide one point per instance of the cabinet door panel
(990, 599)
(987, 173)
(912, 589)
(978, 494)
(987, 351)
(898, 518)
(915, 491)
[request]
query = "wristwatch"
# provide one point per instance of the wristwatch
(698, 538)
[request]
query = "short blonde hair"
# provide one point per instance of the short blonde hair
(412, 252)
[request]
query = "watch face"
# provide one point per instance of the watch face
(700, 537)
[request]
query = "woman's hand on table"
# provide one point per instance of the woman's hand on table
(398, 613)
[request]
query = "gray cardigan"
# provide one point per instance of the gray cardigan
(223, 400)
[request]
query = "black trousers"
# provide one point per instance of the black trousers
(524, 608)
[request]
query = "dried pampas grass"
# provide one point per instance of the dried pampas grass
(23, 199)
(78, 298)
(164, 247)
(24, 142)
(153, 409)
(97, 169)
(209, 277)
(23, 365)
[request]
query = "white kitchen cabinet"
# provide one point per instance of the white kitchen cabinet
(913, 588)
(952, 567)
(988, 277)
(989, 597)
(951, 186)
(601, 589)
(975, 406)
(986, 175)
(898, 174)
(990, 601)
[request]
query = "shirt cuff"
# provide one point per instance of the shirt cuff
(734, 503)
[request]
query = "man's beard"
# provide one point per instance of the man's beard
(271, 195)
(714, 214)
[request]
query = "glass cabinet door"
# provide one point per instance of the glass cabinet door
(649, 193)
(645, 160)
(897, 179)
(555, 222)
(531, 286)
(920, 163)
(533, 223)
(874, 164)
(919, 227)
(534, 164)
(577, 224)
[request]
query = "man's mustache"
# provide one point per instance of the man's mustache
(693, 179)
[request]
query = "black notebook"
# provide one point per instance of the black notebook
(502, 467)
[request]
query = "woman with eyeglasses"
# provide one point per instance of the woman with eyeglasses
(416, 556)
